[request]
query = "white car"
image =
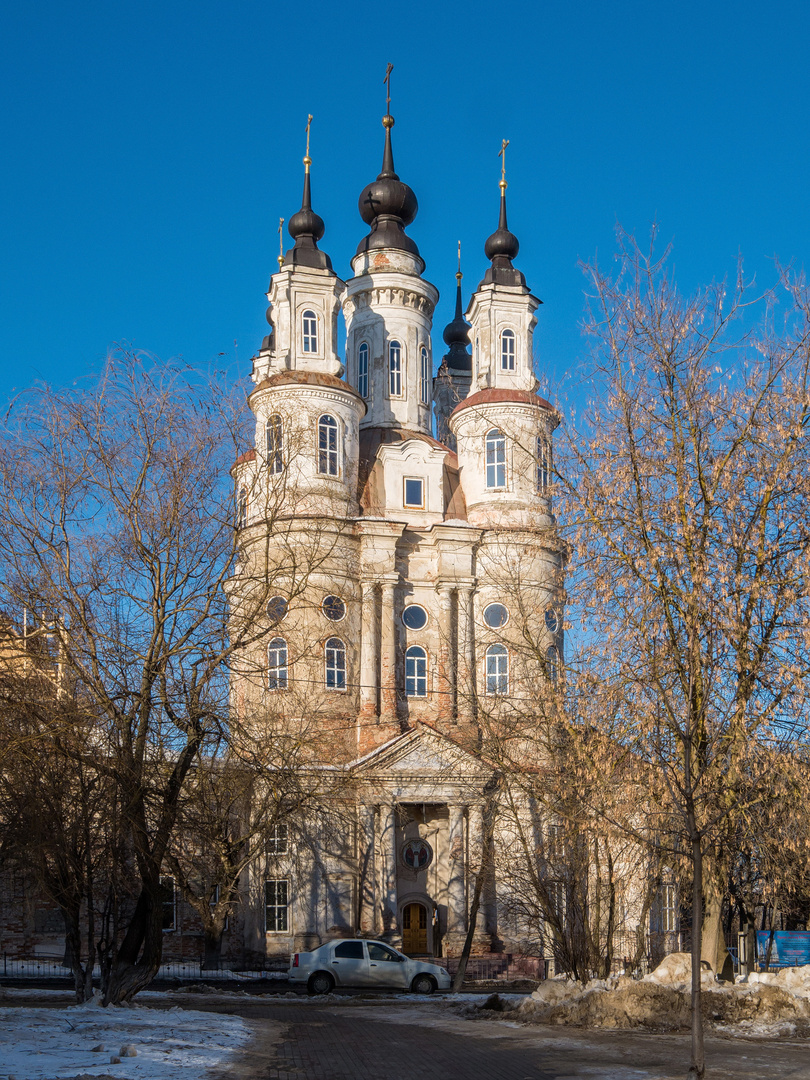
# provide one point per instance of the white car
(365, 964)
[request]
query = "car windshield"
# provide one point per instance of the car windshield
(376, 951)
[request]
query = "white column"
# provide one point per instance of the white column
(388, 656)
(466, 656)
(456, 890)
(444, 689)
(388, 848)
(367, 870)
(368, 651)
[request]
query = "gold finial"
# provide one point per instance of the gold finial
(280, 243)
(502, 156)
(459, 274)
(307, 158)
(387, 81)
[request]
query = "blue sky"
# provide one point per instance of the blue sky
(149, 150)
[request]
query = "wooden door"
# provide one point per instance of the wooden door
(414, 929)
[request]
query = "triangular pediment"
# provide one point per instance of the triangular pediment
(422, 752)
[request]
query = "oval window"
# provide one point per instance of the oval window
(495, 616)
(276, 609)
(333, 608)
(552, 620)
(414, 617)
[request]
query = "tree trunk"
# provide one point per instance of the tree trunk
(458, 978)
(212, 949)
(136, 962)
(697, 1066)
(713, 946)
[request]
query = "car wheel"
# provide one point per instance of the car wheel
(321, 983)
(423, 984)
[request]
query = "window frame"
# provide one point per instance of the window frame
(274, 444)
(416, 655)
(495, 447)
(281, 678)
(335, 674)
(242, 506)
(277, 841)
(508, 349)
(281, 908)
(424, 377)
(413, 480)
(543, 466)
(310, 337)
(362, 370)
(395, 371)
(496, 674)
(328, 455)
(553, 664)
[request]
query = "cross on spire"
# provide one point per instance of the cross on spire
(307, 158)
(502, 156)
(387, 81)
(280, 242)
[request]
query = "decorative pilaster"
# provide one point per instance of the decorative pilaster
(466, 656)
(388, 848)
(388, 656)
(445, 705)
(368, 651)
(367, 876)
(456, 885)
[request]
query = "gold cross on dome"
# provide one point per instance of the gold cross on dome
(307, 158)
(502, 156)
(387, 81)
(280, 242)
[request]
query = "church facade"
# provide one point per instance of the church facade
(405, 523)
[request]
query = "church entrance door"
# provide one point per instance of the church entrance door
(414, 929)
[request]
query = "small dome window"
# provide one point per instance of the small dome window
(333, 608)
(328, 459)
(395, 369)
(508, 350)
(309, 321)
(414, 617)
(496, 616)
(362, 370)
(496, 459)
(552, 620)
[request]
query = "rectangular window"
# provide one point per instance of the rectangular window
(557, 899)
(669, 910)
(362, 371)
(542, 467)
(414, 492)
(168, 903)
(278, 838)
(424, 380)
(554, 841)
(395, 369)
(276, 905)
(496, 459)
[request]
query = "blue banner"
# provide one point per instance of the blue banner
(791, 948)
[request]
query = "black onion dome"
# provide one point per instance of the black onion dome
(501, 248)
(456, 337)
(387, 205)
(306, 228)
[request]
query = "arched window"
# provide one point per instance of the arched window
(275, 444)
(394, 369)
(241, 508)
(497, 662)
(277, 664)
(542, 466)
(508, 350)
(309, 322)
(424, 378)
(415, 672)
(335, 655)
(553, 664)
(328, 460)
(362, 370)
(496, 459)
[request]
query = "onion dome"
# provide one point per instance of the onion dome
(387, 205)
(456, 337)
(306, 228)
(502, 247)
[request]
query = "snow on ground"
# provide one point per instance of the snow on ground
(88, 1041)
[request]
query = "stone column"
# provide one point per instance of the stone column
(445, 682)
(368, 651)
(388, 656)
(466, 656)
(456, 886)
(388, 850)
(367, 870)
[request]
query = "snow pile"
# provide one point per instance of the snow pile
(768, 1004)
(86, 1040)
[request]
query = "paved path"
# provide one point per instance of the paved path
(416, 1040)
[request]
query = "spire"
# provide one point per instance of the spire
(456, 332)
(503, 245)
(306, 227)
(387, 205)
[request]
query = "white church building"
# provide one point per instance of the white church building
(405, 522)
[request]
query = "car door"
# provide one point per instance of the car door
(386, 968)
(349, 964)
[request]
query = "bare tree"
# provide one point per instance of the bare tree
(685, 497)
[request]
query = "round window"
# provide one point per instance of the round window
(495, 616)
(276, 609)
(552, 620)
(333, 608)
(414, 617)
